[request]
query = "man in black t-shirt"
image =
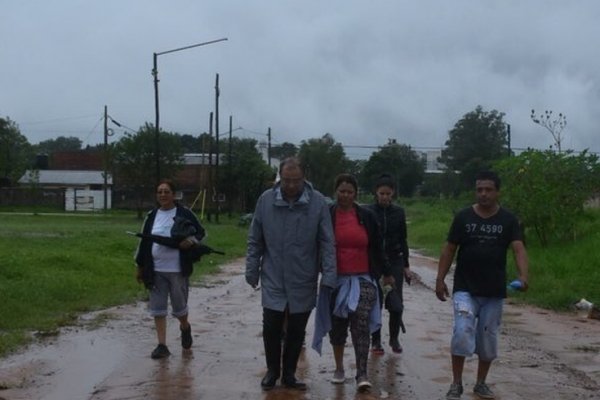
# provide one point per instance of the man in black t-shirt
(482, 234)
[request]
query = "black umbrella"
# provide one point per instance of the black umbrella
(198, 248)
(181, 230)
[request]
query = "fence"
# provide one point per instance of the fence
(18, 196)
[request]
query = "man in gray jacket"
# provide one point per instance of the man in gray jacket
(289, 243)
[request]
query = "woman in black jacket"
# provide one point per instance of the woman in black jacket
(392, 221)
(165, 270)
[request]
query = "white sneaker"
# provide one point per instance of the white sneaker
(363, 384)
(338, 377)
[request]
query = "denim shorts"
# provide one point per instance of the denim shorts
(476, 325)
(169, 285)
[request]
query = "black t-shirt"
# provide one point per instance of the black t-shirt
(483, 242)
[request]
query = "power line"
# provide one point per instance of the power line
(253, 132)
(233, 130)
(57, 120)
(93, 129)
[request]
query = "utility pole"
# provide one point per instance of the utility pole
(217, 140)
(156, 110)
(508, 138)
(230, 167)
(105, 158)
(269, 146)
(210, 163)
(156, 117)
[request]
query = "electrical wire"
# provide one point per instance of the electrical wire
(120, 125)
(93, 130)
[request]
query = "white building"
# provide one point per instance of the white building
(433, 166)
(84, 190)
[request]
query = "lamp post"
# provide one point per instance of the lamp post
(156, 108)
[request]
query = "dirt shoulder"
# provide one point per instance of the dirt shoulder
(542, 354)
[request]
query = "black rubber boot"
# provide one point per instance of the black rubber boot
(291, 354)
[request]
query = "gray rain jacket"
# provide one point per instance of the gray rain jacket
(288, 245)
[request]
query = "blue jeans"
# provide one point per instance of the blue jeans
(476, 325)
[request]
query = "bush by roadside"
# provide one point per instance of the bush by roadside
(561, 273)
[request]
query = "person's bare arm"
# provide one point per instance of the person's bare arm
(448, 252)
(521, 261)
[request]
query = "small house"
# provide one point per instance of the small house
(84, 190)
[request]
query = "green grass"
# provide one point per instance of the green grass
(559, 274)
(54, 267)
(564, 273)
(427, 224)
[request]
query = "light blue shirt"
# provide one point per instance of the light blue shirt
(346, 302)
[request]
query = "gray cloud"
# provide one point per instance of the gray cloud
(362, 71)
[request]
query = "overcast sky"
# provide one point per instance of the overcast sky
(364, 71)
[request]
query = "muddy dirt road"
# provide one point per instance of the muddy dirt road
(543, 355)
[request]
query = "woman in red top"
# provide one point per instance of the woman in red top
(360, 259)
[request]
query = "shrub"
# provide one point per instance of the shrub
(548, 190)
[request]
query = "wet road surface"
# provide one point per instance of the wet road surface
(543, 355)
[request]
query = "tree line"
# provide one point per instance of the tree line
(478, 140)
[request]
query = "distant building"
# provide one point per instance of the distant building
(83, 190)
(196, 172)
(433, 166)
(263, 149)
(202, 159)
(80, 160)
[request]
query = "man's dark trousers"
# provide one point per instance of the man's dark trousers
(293, 339)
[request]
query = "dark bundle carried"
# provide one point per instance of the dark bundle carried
(182, 229)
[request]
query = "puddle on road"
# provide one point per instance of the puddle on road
(553, 353)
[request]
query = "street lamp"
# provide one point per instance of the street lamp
(155, 74)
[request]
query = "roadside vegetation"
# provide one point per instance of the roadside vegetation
(560, 273)
(54, 267)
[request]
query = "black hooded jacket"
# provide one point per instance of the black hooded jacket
(392, 221)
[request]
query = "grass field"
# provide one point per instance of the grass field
(56, 266)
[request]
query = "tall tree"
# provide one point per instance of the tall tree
(323, 160)
(245, 174)
(190, 144)
(404, 164)
(15, 152)
(61, 143)
(554, 125)
(134, 158)
(284, 150)
(477, 140)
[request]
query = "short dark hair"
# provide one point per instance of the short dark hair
(488, 176)
(384, 180)
(168, 182)
(292, 162)
(346, 178)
